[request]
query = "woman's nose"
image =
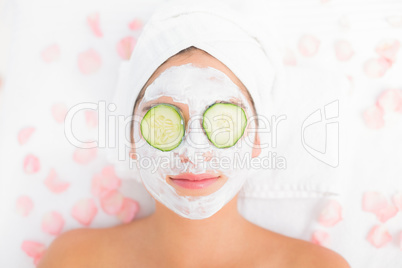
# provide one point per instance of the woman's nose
(196, 146)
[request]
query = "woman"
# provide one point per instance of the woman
(196, 222)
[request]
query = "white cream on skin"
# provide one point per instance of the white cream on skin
(198, 88)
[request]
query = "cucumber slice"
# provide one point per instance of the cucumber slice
(224, 124)
(162, 127)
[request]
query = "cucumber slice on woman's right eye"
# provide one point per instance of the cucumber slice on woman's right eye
(162, 127)
(224, 124)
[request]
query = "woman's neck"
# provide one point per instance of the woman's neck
(190, 242)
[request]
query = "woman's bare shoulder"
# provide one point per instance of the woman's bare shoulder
(312, 255)
(278, 250)
(301, 253)
(71, 249)
(87, 247)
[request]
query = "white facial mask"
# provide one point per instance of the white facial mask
(198, 88)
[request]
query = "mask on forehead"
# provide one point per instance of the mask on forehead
(198, 89)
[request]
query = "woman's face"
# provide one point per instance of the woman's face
(196, 178)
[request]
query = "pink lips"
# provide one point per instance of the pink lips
(194, 181)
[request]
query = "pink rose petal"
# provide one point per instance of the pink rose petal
(374, 201)
(89, 61)
(112, 202)
(59, 112)
(24, 205)
(33, 249)
(390, 99)
(91, 118)
(31, 164)
(388, 49)
(331, 214)
(395, 20)
(400, 241)
(374, 117)
(376, 68)
(344, 22)
(128, 210)
(105, 182)
(308, 45)
(135, 24)
(83, 155)
(54, 184)
(320, 237)
(289, 58)
(397, 199)
(25, 134)
(51, 53)
(52, 223)
(343, 50)
(386, 213)
(93, 22)
(377, 203)
(125, 47)
(84, 211)
(379, 236)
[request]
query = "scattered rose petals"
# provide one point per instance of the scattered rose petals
(105, 182)
(128, 210)
(390, 99)
(320, 237)
(135, 24)
(25, 134)
(52, 223)
(33, 249)
(397, 199)
(112, 202)
(51, 53)
(31, 164)
(59, 112)
(343, 50)
(308, 45)
(379, 236)
(289, 58)
(388, 49)
(84, 211)
(376, 68)
(331, 214)
(54, 184)
(91, 118)
(93, 22)
(374, 117)
(89, 61)
(24, 205)
(125, 47)
(84, 155)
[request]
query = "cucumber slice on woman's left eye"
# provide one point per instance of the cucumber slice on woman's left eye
(224, 124)
(162, 127)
